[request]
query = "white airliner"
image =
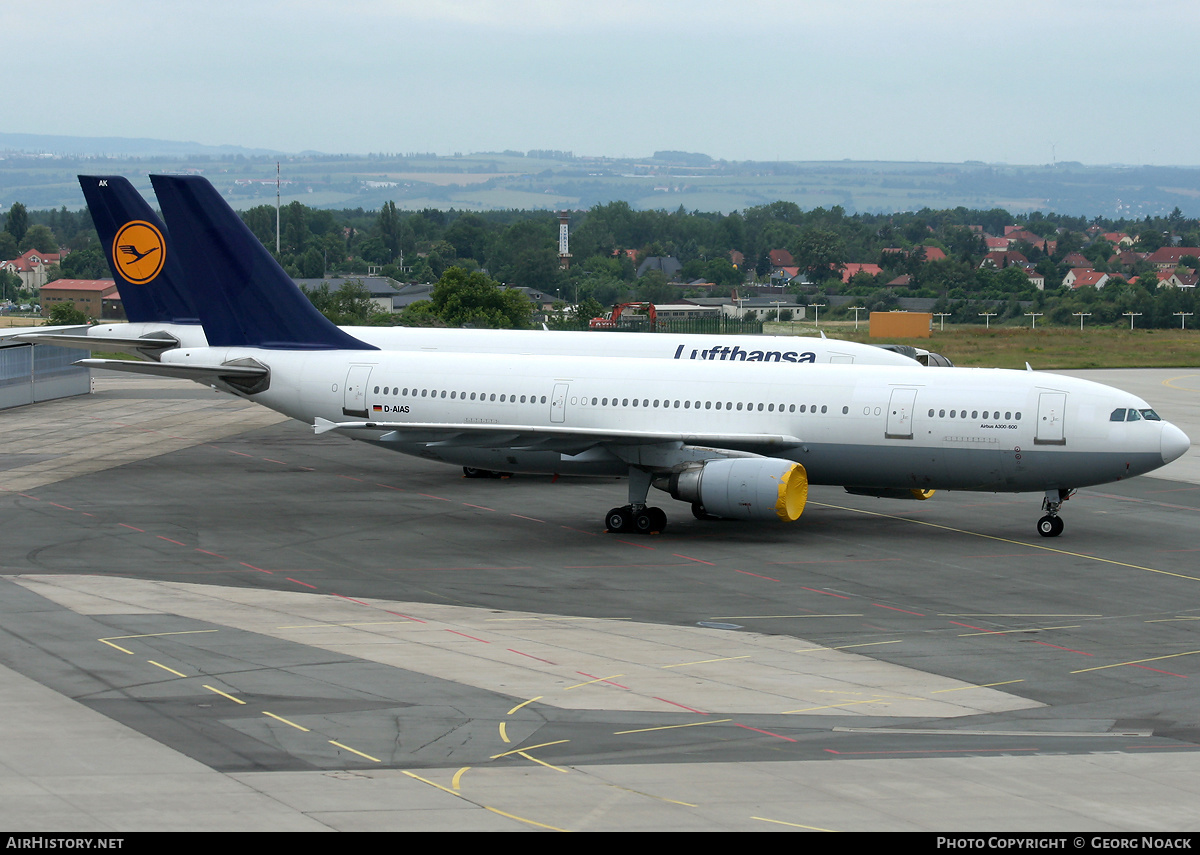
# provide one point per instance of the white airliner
(162, 316)
(735, 439)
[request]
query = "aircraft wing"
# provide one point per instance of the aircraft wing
(562, 439)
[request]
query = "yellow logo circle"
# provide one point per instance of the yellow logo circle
(139, 251)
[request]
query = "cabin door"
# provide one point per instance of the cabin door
(558, 404)
(355, 401)
(1051, 419)
(900, 414)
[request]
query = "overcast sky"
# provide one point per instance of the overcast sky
(1020, 81)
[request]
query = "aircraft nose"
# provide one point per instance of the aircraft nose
(1174, 443)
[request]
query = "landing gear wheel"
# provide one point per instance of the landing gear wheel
(619, 521)
(472, 472)
(699, 513)
(1050, 526)
(649, 520)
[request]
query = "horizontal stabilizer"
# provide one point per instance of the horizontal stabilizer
(208, 374)
(107, 343)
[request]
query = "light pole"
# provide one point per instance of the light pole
(856, 309)
(941, 316)
(987, 318)
(1034, 316)
(816, 307)
(1183, 316)
(1132, 315)
(1081, 316)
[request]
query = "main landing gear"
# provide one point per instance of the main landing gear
(1051, 525)
(632, 519)
(472, 472)
(636, 517)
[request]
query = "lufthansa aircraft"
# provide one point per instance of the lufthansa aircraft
(162, 315)
(734, 439)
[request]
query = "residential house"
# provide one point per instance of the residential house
(33, 266)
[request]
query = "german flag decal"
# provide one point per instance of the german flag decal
(139, 251)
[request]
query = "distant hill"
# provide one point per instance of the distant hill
(39, 171)
(49, 144)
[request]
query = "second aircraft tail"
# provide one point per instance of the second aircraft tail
(243, 297)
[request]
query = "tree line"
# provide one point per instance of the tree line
(608, 241)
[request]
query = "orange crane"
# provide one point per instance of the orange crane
(611, 321)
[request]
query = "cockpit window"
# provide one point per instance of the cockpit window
(1150, 416)
(1133, 416)
(1118, 415)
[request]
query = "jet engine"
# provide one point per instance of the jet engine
(746, 488)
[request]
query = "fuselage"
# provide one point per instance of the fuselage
(854, 426)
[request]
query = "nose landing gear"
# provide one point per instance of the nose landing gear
(1051, 525)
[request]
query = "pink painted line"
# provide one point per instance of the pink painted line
(57, 505)
(681, 706)
(521, 516)
(765, 732)
(893, 608)
(86, 514)
(594, 677)
(977, 628)
(351, 478)
(826, 593)
(697, 560)
(930, 751)
(759, 575)
(168, 540)
(638, 545)
(214, 554)
(27, 496)
(842, 561)
(430, 496)
(531, 656)
(252, 567)
(298, 582)
(135, 528)
(1160, 671)
(581, 531)
(481, 507)
(623, 566)
(406, 617)
(238, 453)
(390, 487)
(351, 599)
(269, 460)
(464, 635)
(444, 569)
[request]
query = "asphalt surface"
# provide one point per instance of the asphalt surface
(213, 619)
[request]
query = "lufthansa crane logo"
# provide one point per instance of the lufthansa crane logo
(139, 251)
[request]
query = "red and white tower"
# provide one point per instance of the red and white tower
(564, 256)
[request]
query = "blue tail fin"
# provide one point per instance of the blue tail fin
(148, 274)
(243, 296)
